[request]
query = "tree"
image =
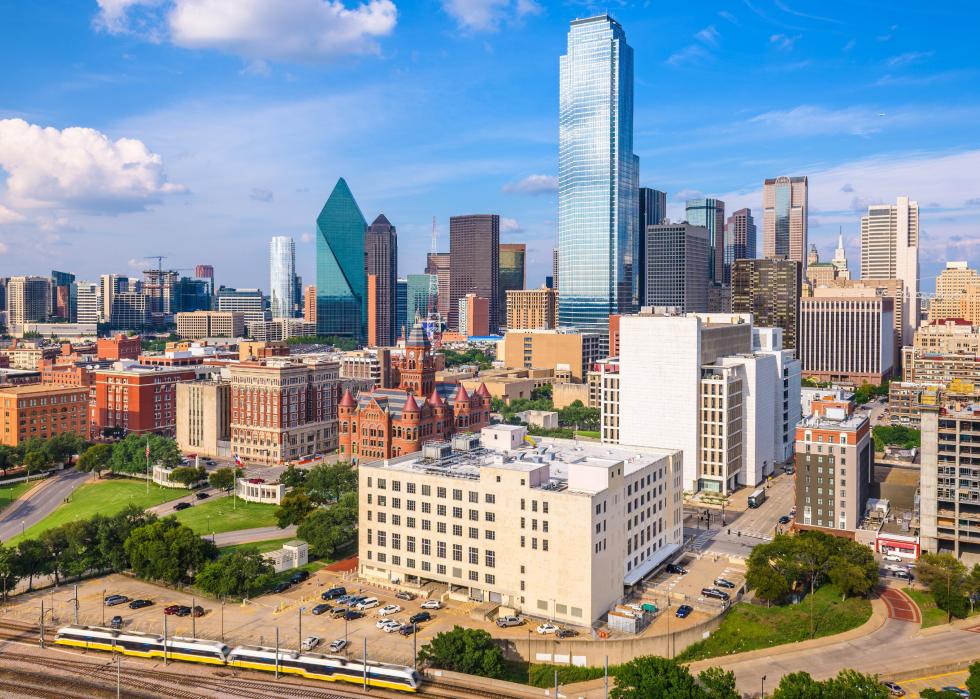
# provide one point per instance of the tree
(37, 460)
(769, 584)
(326, 483)
(577, 415)
(129, 455)
(543, 392)
(718, 684)
(946, 577)
(849, 578)
(652, 676)
(188, 475)
(851, 683)
(293, 477)
(222, 479)
(242, 573)
(167, 550)
(8, 458)
(55, 542)
(9, 571)
(63, 446)
(328, 530)
(799, 685)
(471, 651)
(32, 560)
(293, 508)
(973, 681)
(95, 458)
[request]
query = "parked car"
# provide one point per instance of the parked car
(282, 587)
(381, 623)
(299, 576)
(338, 645)
(116, 622)
(367, 603)
(393, 627)
(338, 612)
(546, 628)
(903, 574)
(201, 495)
(785, 519)
(334, 593)
(309, 643)
(566, 633)
(893, 557)
(714, 593)
(389, 609)
(211, 462)
(958, 691)
(256, 481)
(140, 603)
(172, 609)
(405, 595)
(894, 689)
(352, 614)
(113, 600)
(181, 506)
(431, 604)
(722, 582)
(408, 629)
(419, 618)
(182, 611)
(320, 609)
(507, 621)
(684, 611)
(675, 569)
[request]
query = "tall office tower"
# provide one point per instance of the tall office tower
(191, 295)
(531, 309)
(554, 269)
(957, 294)
(598, 211)
(3, 293)
(740, 236)
(309, 304)
(676, 272)
(158, 286)
(770, 290)
(890, 250)
(63, 299)
(710, 213)
(437, 263)
(840, 260)
(474, 262)
(28, 300)
(88, 307)
(130, 311)
(381, 262)
(282, 276)
(784, 221)
(401, 307)
(652, 211)
(341, 286)
(513, 275)
(297, 296)
(109, 286)
(419, 302)
(206, 272)
(249, 302)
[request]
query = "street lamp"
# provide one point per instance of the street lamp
(763, 687)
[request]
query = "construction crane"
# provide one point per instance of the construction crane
(159, 259)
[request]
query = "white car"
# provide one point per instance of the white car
(389, 609)
(547, 628)
(310, 642)
(432, 604)
(382, 623)
(392, 628)
(893, 557)
(338, 645)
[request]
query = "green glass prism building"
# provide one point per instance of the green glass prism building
(341, 286)
(598, 177)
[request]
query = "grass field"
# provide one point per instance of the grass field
(262, 546)
(592, 434)
(751, 626)
(931, 614)
(105, 497)
(9, 493)
(227, 516)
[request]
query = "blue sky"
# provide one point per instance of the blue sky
(198, 129)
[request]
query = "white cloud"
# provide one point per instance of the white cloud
(690, 54)
(488, 15)
(533, 184)
(306, 238)
(510, 225)
(709, 35)
(784, 42)
(811, 120)
(9, 215)
(909, 58)
(4, 248)
(79, 168)
(262, 195)
(303, 30)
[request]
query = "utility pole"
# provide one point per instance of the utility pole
(41, 624)
(222, 619)
(299, 616)
(277, 652)
(76, 603)
(605, 679)
(147, 464)
(118, 677)
(165, 639)
(103, 607)
(193, 617)
(364, 663)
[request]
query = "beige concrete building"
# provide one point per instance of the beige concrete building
(948, 336)
(943, 351)
(564, 394)
(204, 418)
(27, 356)
(890, 250)
(506, 388)
(957, 294)
(201, 324)
(279, 329)
(556, 531)
(606, 379)
(532, 309)
(721, 428)
(547, 349)
(28, 300)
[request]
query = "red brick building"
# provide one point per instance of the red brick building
(385, 423)
(42, 411)
(71, 369)
(119, 347)
(140, 399)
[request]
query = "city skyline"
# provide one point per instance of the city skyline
(203, 183)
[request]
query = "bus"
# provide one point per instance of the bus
(757, 498)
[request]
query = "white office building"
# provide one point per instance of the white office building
(282, 276)
(890, 250)
(88, 302)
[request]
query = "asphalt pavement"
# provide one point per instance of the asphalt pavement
(40, 502)
(250, 536)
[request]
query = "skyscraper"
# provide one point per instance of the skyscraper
(890, 250)
(784, 221)
(419, 302)
(710, 214)
(437, 263)
(739, 239)
(653, 211)
(598, 177)
(206, 272)
(401, 306)
(770, 290)
(840, 259)
(381, 261)
(282, 276)
(28, 300)
(89, 307)
(474, 262)
(676, 266)
(341, 286)
(512, 275)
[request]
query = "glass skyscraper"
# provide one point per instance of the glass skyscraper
(710, 213)
(282, 276)
(512, 275)
(598, 177)
(341, 288)
(652, 212)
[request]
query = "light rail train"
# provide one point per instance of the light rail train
(330, 668)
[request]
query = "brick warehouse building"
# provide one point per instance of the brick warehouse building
(384, 423)
(140, 399)
(43, 412)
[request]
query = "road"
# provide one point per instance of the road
(249, 536)
(39, 503)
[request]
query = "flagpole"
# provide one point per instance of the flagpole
(147, 464)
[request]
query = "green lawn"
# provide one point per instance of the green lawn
(262, 546)
(106, 497)
(9, 493)
(931, 614)
(227, 516)
(751, 626)
(593, 434)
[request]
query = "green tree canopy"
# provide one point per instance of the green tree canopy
(973, 681)
(223, 478)
(799, 685)
(167, 550)
(188, 475)
(652, 676)
(129, 455)
(329, 530)
(327, 482)
(241, 573)
(948, 581)
(718, 684)
(9, 570)
(293, 477)
(38, 460)
(471, 651)
(293, 508)
(95, 458)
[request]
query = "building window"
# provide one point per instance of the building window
(458, 512)
(458, 552)
(440, 549)
(474, 556)
(490, 558)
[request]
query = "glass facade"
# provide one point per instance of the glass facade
(710, 213)
(652, 212)
(282, 276)
(598, 177)
(512, 275)
(341, 298)
(401, 307)
(421, 297)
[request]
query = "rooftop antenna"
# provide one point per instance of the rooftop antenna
(433, 278)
